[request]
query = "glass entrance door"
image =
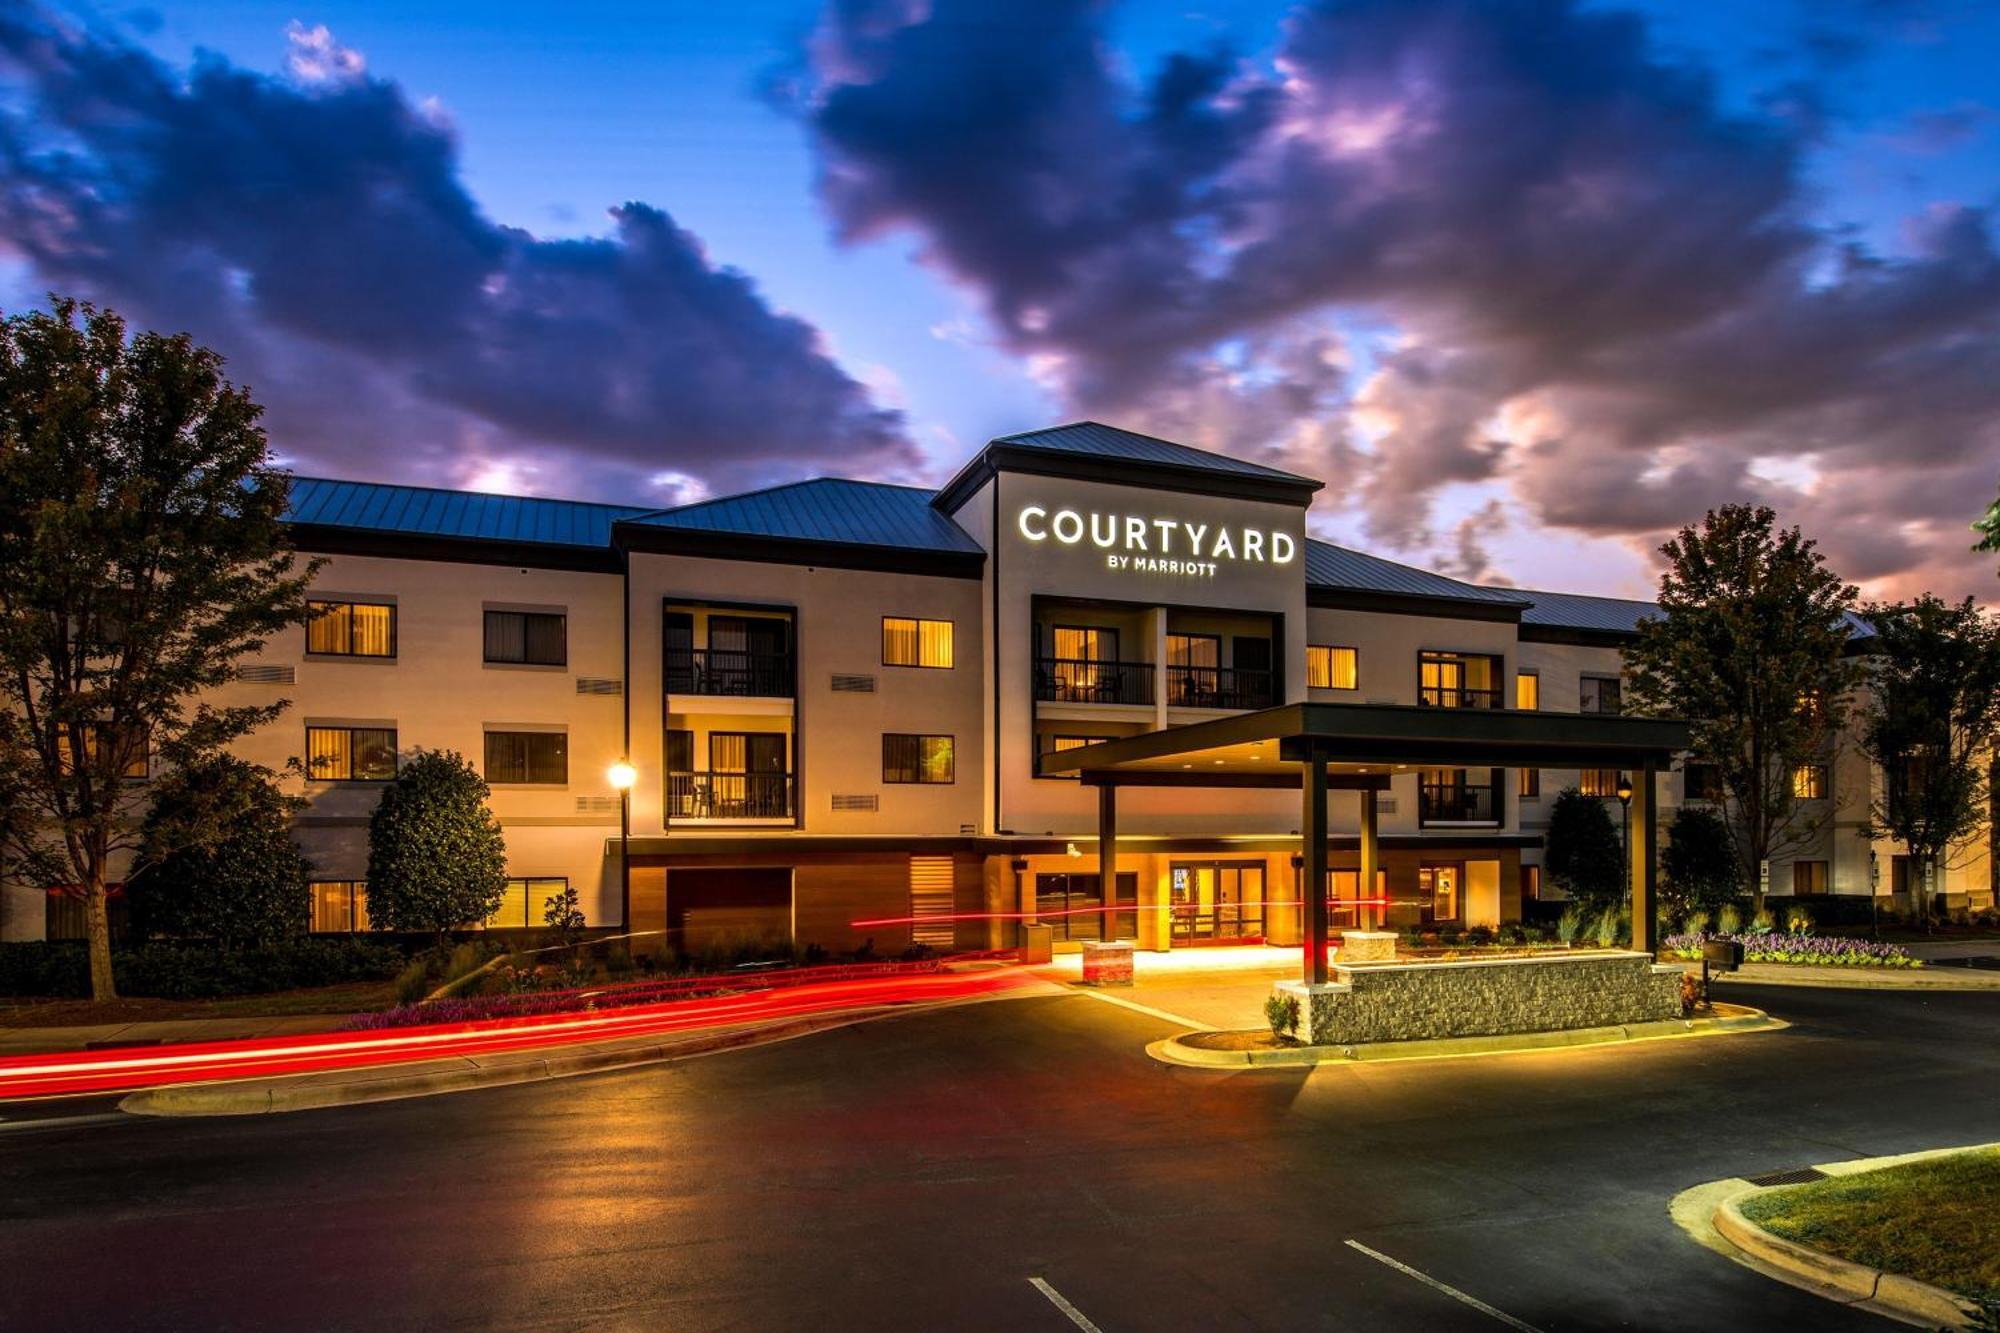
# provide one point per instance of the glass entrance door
(1217, 902)
(1438, 891)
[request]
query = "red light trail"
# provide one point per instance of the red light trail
(74, 1072)
(1183, 909)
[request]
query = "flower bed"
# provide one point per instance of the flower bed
(1772, 946)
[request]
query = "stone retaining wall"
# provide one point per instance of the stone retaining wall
(1485, 997)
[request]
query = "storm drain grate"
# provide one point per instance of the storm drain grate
(1803, 1175)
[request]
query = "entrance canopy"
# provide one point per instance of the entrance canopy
(1363, 745)
(1360, 747)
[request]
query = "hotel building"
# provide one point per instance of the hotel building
(841, 700)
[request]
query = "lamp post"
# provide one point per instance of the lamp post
(1625, 825)
(621, 776)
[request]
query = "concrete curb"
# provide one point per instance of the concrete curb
(305, 1092)
(1175, 1051)
(1855, 1284)
(1929, 978)
(1712, 1216)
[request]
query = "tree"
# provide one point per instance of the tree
(1751, 651)
(1932, 717)
(1582, 854)
(216, 857)
(1988, 528)
(1698, 863)
(436, 857)
(141, 555)
(562, 912)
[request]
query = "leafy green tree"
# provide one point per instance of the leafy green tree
(141, 555)
(436, 857)
(1988, 528)
(1698, 864)
(1751, 651)
(562, 912)
(1581, 852)
(216, 858)
(1930, 724)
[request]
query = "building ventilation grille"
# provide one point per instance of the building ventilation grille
(968, 830)
(599, 685)
(853, 803)
(267, 675)
(1385, 804)
(930, 896)
(597, 805)
(850, 684)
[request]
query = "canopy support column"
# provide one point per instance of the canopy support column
(1371, 915)
(1312, 875)
(1107, 858)
(1644, 839)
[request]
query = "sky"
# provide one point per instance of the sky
(1528, 283)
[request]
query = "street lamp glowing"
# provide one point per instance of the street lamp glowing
(622, 775)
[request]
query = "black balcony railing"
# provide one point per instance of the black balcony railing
(1457, 803)
(1457, 696)
(729, 795)
(1073, 680)
(733, 671)
(1218, 687)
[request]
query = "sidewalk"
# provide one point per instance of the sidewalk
(160, 1032)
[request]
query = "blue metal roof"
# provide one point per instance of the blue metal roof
(1097, 440)
(826, 509)
(428, 512)
(1573, 610)
(1330, 566)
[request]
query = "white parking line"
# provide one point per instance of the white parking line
(1145, 1009)
(1056, 1298)
(1451, 1291)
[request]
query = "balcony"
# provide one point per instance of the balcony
(1218, 687)
(729, 671)
(729, 795)
(1457, 696)
(1072, 680)
(1457, 803)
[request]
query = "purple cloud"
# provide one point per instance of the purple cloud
(317, 231)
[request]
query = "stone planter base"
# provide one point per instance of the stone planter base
(1367, 946)
(1380, 1002)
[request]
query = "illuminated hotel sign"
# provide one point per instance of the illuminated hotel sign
(1157, 545)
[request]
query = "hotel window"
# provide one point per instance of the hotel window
(350, 754)
(1531, 883)
(1598, 782)
(909, 642)
(527, 638)
(1809, 782)
(918, 759)
(1057, 744)
(1598, 694)
(1808, 877)
(1458, 680)
(525, 902)
(97, 735)
(1528, 783)
(1701, 781)
(1528, 690)
(339, 906)
(350, 629)
(1332, 668)
(527, 757)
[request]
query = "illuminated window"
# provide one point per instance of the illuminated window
(1057, 744)
(350, 754)
(1330, 668)
(1528, 690)
(915, 643)
(339, 906)
(98, 737)
(529, 638)
(1808, 877)
(1531, 883)
(525, 902)
(350, 629)
(1809, 782)
(1529, 783)
(514, 757)
(1598, 782)
(916, 759)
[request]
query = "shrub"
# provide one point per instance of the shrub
(1282, 1013)
(1696, 923)
(1808, 950)
(1798, 920)
(1729, 920)
(217, 860)
(1690, 993)
(1698, 867)
(562, 913)
(172, 971)
(1582, 855)
(414, 981)
(436, 857)
(1570, 924)
(1610, 927)
(1761, 921)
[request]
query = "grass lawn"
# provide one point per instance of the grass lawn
(1938, 1220)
